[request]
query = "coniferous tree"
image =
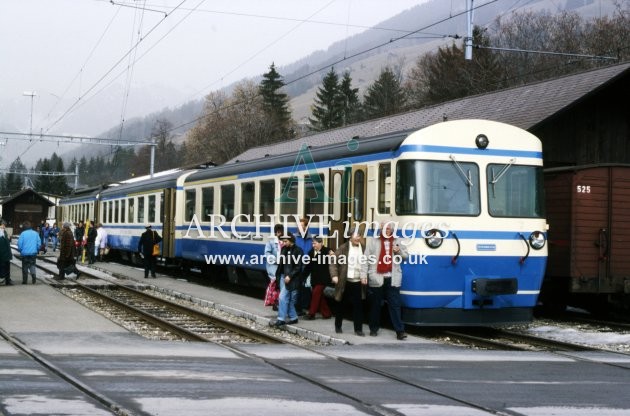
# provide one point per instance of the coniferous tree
(275, 104)
(328, 107)
(385, 96)
(59, 183)
(15, 181)
(43, 183)
(351, 104)
(3, 185)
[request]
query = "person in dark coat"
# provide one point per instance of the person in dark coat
(66, 262)
(145, 246)
(289, 274)
(5, 256)
(91, 241)
(79, 235)
(350, 288)
(318, 269)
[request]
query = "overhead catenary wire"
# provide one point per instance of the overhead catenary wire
(85, 62)
(146, 52)
(330, 65)
(111, 69)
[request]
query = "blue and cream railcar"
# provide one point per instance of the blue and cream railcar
(80, 206)
(466, 195)
(125, 209)
(476, 187)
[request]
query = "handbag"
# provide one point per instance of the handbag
(156, 250)
(329, 292)
(272, 294)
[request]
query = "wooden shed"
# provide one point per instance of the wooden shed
(589, 237)
(26, 205)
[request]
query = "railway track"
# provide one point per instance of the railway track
(163, 318)
(362, 369)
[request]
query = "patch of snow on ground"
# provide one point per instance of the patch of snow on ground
(42, 405)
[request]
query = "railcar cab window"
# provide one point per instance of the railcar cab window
(267, 200)
(191, 201)
(289, 195)
(207, 203)
(515, 191)
(426, 187)
(227, 202)
(151, 208)
(314, 196)
(247, 200)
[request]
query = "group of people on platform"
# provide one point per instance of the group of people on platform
(345, 275)
(71, 244)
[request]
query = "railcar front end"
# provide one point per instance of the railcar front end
(469, 202)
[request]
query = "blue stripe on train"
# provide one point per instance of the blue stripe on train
(441, 284)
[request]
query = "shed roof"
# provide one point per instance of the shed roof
(524, 107)
(20, 195)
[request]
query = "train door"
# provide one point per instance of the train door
(168, 223)
(358, 193)
(618, 267)
(348, 192)
(338, 207)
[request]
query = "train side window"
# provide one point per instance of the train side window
(151, 207)
(141, 209)
(227, 202)
(314, 196)
(130, 211)
(267, 206)
(161, 207)
(110, 210)
(247, 200)
(358, 197)
(191, 200)
(337, 195)
(384, 188)
(123, 210)
(289, 195)
(207, 203)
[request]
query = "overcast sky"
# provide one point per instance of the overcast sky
(69, 50)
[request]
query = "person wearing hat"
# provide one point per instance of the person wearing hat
(148, 239)
(289, 274)
(66, 262)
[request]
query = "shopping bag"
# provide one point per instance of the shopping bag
(272, 294)
(156, 249)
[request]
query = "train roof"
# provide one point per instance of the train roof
(350, 147)
(82, 195)
(160, 180)
(525, 107)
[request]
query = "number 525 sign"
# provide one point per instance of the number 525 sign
(583, 189)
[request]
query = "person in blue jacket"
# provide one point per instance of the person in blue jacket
(28, 246)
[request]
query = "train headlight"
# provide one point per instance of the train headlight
(537, 240)
(434, 238)
(482, 141)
